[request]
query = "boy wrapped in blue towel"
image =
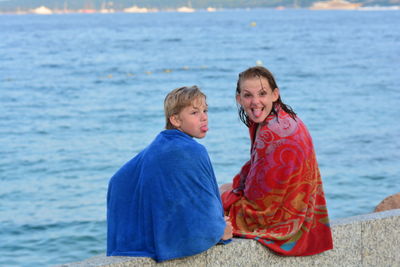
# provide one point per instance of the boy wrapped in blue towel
(164, 203)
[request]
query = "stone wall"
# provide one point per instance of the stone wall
(365, 240)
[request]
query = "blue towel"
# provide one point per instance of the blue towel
(164, 203)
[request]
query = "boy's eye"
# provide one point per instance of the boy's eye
(246, 95)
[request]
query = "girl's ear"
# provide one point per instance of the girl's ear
(275, 94)
(175, 121)
(238, 99)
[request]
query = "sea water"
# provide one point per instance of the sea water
(82, 94)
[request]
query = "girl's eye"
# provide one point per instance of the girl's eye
(206, 110)
(263, 93)
(194, 112)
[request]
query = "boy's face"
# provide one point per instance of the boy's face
(193, 119)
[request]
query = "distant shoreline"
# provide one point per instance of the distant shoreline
(42, 10)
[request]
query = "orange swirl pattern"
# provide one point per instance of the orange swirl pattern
(277, 198)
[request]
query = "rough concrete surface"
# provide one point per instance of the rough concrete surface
(365, 240)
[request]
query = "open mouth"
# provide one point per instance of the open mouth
(257, 112)
(204, 128)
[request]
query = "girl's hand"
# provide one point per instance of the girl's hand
(228, 229)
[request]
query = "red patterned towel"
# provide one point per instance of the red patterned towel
(277, 198)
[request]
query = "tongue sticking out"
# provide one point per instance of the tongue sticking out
(204, 128)
(257, 112)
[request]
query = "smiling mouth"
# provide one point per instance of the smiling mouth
(257, 112)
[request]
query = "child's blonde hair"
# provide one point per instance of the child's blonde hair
(178, 99)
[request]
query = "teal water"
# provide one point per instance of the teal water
(82, 94)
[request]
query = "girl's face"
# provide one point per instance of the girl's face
(257, 98)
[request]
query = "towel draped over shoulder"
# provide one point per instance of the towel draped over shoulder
(164, 203)
(277, 198)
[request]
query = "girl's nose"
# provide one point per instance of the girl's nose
(255, 100)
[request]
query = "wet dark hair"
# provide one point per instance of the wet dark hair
(261, 72)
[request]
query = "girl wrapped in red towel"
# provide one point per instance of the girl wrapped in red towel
(277, 198)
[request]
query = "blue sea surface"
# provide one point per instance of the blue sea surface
(82, 94)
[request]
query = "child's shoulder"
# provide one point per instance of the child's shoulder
(175, 141)
(174, 149)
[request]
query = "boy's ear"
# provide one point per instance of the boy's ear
(174, 119)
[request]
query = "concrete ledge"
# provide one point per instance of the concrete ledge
(365, 240)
